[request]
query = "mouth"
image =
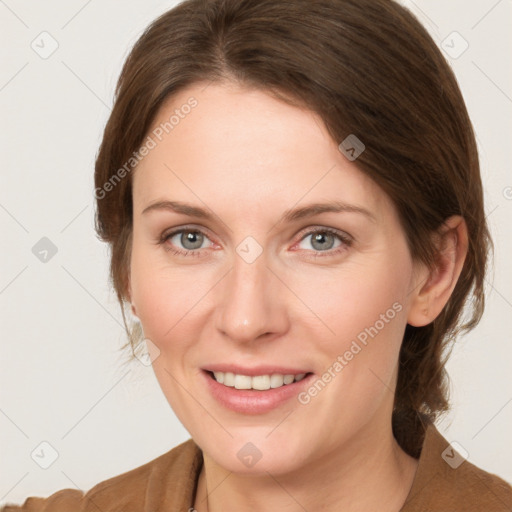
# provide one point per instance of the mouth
(265, 389)
(262, 382)
(257, 389)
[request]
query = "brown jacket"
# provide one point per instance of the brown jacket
(444, 482)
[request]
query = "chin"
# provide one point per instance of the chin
(252, 451)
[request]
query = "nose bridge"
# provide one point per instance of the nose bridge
(251, 304)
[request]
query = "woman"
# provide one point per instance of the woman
(292, 197)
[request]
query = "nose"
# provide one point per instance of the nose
(252, 302)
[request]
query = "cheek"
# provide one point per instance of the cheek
(347, 303)
(163, 303)
(365, 312)
(366, 315)
(354, 301)
(167, 300)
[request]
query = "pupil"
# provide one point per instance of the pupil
(320, 238)
(192, 238)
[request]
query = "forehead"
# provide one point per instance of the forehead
(248, 147)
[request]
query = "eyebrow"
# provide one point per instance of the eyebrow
(290, 215)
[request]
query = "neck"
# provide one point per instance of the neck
(370, 472)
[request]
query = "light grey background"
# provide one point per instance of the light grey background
(61, 377)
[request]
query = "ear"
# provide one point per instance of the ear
(434, 287)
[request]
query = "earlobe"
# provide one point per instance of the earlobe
(435, 287)
(134, 312)
(132, 304)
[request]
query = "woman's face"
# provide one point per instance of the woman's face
(233, 272)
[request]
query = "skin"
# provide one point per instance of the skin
(248, 157)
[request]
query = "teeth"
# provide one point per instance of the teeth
(288, 379)
(276, 380)
(259, 382)
(229, 379)
(243, 382)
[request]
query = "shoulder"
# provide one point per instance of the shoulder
(64, 500)
(169, 478)
(445, 480)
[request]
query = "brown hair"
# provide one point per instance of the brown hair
(368, 68)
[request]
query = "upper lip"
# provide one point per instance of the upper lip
(256, 370)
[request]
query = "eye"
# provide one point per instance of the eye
(325, 240)
(190, 242)
(184, 241)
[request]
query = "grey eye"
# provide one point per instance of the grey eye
(189, 239)
(321, 240)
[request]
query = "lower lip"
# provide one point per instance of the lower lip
(250, 401)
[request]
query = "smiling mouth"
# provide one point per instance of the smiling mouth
(256, 382)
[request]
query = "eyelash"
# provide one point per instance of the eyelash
(345, 240)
